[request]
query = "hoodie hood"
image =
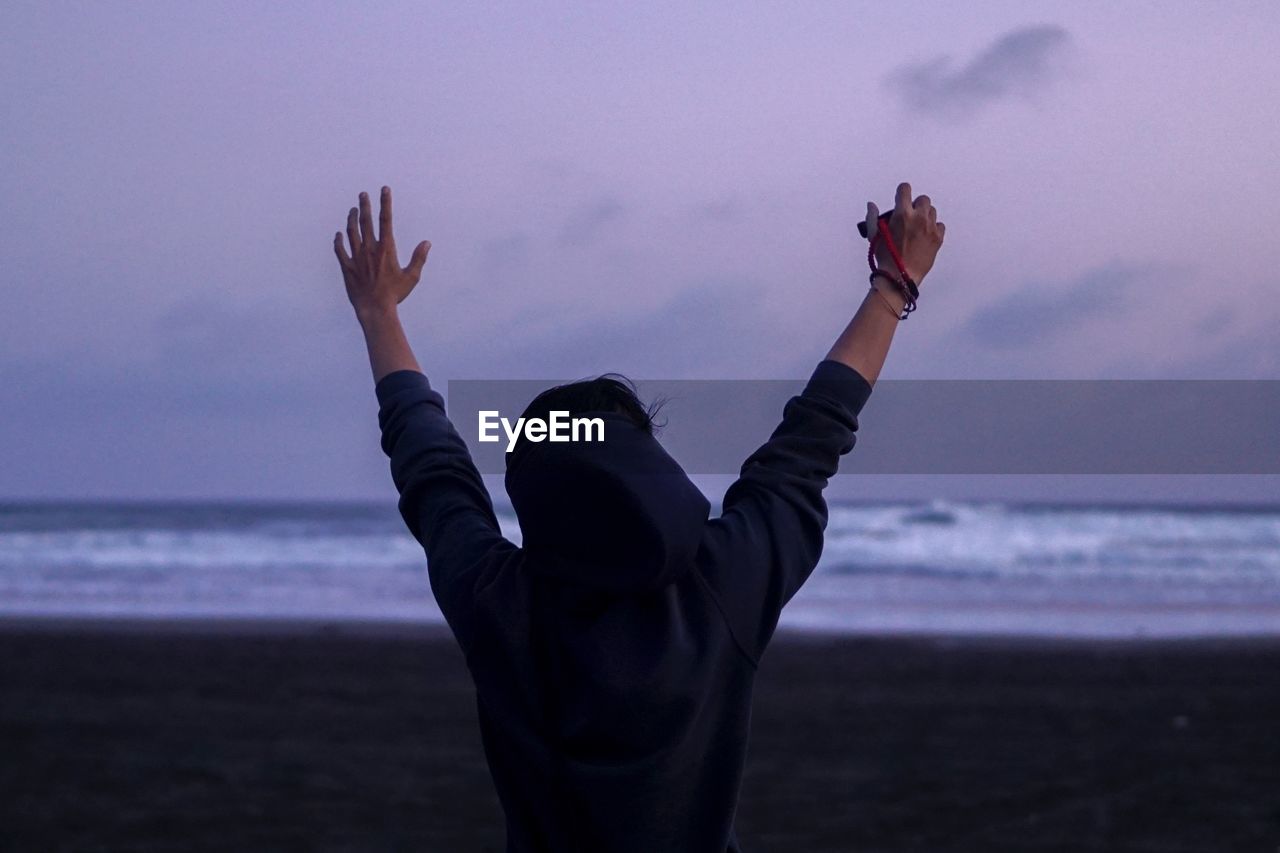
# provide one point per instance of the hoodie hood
(618, 515)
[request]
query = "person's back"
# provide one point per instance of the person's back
(614, 651)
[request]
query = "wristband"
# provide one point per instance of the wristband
(905, 283)
(908, 304)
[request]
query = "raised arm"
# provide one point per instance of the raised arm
(774, 517)
(442, 496)
(864, 343)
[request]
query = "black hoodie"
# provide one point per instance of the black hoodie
(614, 652)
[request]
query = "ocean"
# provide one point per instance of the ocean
(938, 568)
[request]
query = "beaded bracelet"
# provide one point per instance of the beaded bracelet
(905, 285)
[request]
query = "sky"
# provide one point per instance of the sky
(669, 190)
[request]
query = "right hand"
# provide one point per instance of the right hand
(915, 229)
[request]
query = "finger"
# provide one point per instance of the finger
(418, 259)
(902, 201)
(366, 223)
(873, 217)
(942, 230)
(384, 218)
(353, 232)
(922, 202)
(933, 213)
(341, 251)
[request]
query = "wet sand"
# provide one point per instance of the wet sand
(305, 737)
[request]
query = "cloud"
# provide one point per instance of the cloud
(585, 223)
(1221, 351)
(1044, 310)
(503, 259)
(1020, 64)
(506, 251)
(720, 210)
(714, 327)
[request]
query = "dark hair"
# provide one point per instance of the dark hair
(610, 392)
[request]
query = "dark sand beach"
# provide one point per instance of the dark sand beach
(260, 737)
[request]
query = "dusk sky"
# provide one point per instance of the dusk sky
(669, 190)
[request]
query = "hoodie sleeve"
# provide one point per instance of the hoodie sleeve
(442, 496)
(769, 536)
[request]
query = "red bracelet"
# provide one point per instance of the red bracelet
(906, 287)
(905, 284)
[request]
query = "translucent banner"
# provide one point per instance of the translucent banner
(940, 426)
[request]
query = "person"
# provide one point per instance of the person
(614, 652)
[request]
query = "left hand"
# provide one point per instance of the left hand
(376, 283)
